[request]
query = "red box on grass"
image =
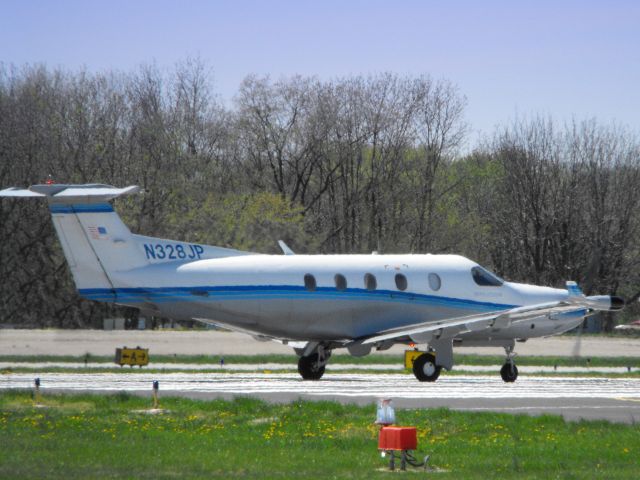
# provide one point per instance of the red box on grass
(398, 438)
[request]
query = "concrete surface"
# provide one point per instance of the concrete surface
(192, 342)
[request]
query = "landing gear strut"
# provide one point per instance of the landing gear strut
(425, 368)
(509, 371)
(311, 367)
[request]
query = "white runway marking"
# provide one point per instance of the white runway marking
(346, 385)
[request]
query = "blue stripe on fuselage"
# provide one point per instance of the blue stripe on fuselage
(257, 292)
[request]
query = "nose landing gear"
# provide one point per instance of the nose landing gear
(509, 371)
(311, 367)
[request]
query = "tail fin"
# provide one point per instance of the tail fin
(94, 239)
(97, 244)
(574, 290)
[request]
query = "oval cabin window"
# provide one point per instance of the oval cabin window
(434, 282)
(310, 282)
(401, 282)
(370, 282)
(341, 282)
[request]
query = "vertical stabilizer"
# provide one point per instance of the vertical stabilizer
(95, 241)
(98, 245)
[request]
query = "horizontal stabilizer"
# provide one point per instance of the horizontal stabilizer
(19, 192)
(70, 194)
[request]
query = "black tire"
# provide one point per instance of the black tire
(509, 372)
(308, 367)
(425, 368)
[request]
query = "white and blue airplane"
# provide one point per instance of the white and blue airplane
(314, 303)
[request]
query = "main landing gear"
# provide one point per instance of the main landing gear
(311, 367)
(425, 368)
(509, 371)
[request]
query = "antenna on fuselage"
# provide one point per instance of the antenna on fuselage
(285, 248)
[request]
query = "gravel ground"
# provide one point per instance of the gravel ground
(168, 342)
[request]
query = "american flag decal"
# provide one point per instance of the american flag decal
(97, 233)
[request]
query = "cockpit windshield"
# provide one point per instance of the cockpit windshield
(485, 278)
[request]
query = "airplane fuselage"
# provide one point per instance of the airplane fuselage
(329, 297)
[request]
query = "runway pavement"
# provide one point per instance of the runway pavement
(332, 367)
(207, 342)
(614, 399)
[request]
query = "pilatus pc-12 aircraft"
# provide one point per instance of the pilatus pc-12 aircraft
(314, 303)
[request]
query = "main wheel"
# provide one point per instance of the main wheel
(509, 372)
(425, 368)
(309, 369)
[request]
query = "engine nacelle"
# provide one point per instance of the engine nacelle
(605, 302)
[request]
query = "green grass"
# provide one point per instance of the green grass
(465, 359)
(85, 436)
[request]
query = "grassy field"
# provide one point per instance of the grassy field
(112, 437)
(462, 359)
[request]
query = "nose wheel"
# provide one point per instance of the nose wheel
(311, 367)
(509, 371)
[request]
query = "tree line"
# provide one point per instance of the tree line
(349, 165)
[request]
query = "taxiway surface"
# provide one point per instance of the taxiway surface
(210, 342)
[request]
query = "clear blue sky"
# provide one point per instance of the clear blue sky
(561, 58)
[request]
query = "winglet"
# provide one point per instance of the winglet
(285, 249)
(574, 290)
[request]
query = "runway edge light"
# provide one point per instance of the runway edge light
(156, 387)
(386, 415)
(36, 393)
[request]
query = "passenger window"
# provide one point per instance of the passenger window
(310, 282)
(341, 282)
(370, 282)
(401, 281)
(485, 278)
(434, 282)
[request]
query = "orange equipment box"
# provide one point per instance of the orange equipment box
(398, 438)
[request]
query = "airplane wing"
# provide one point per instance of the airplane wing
(470, 323)
(575, 302)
